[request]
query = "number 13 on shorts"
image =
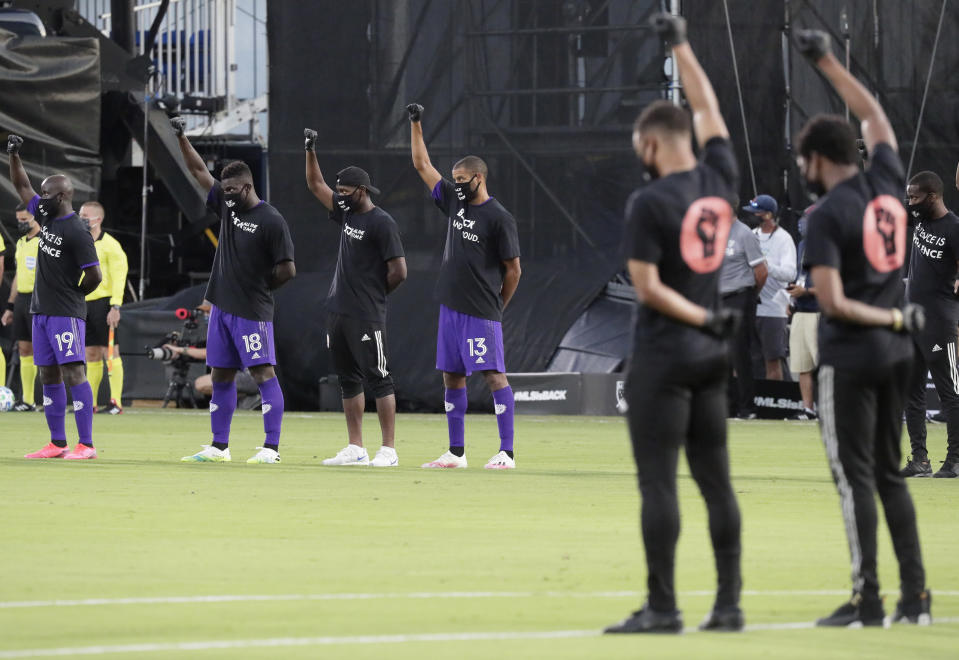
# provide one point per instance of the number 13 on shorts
(477, 346)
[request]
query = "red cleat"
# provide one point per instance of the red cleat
(81, 452)
(50, 451)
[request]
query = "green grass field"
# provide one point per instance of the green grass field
(132, 555)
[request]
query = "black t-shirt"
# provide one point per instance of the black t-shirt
(932, 267)
(681, 223)
(480, 237)
(368, 241)
(251, 243)
(859, 228)
(65, 249)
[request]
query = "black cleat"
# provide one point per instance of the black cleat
(23, 406)
(647, 620)
(726, 619)
(914, 610)
(112, 409)
(858, 612)
(916, 467)
(949, 470)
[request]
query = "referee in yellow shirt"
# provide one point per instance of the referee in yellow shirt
(17, 310)
(103, 308)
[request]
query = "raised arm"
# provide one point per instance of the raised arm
(314, 176)
(421, 158)
(957, 177)
(18, 175)
(707, 120)
(193, 161)
(876, 129)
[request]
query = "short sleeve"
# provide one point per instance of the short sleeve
(718, 154)
(388, 240)
(754, 252)
(642, 236)
(822, 241)
(32, 205)
(281, 244)
(337, 214)
(85, 251)
(885, 171)
(443, 194)
(214, 199)
(507, 239)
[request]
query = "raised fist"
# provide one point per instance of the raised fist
(813, 44)
(415, 110)
(913, 318)
(179, 125)
(14, 142)
(671, 28)
(309, 141)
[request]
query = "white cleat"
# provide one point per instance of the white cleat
(209, 454)
(349, 455)
(447, 460)
(265, 455)
(500, 461)
(385, 457)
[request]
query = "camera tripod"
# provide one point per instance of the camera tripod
(180, 389)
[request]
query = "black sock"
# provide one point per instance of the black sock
(457, 451)
(510, 454)
(60, 443)
(220, 445)
(275, 448)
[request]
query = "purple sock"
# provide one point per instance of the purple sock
(83, 411)
(503, 405)
(272, 397)
(54, 405)
(456, 415)
(222, 407)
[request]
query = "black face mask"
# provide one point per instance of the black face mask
(464, 192)
(23, 227)
(650, 173)
(814, 189)
(345, 202)
(922, 210)
(234, 199)
(48, 207)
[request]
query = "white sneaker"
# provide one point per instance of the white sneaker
(349, 455)
(385, 457)
(265, 455)
(500, 461)
(447, 460)
(209, 454)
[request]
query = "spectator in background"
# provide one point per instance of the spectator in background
(771, 314)
(804, 335)
(743, 274)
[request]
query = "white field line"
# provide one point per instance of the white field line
(345, 641)
(425, 595)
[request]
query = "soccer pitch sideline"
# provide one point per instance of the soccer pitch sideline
(139, 555)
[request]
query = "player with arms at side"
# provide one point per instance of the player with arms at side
(477, 279)
(254, 257)
(67, 270)
(675, 239)
(370, 265)
(855, 249)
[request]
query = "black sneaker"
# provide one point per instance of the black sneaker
(727, 619)
(805, 415)
(856, 613)
(647, 620)
(916, 467)
(915, 610)
(949, 470)
(112, 409)
(23, 406)
(748, 414)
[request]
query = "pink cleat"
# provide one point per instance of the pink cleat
(447, 460)
(49, 451)
(81, 452)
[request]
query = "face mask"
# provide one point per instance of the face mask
(86, 223)
(23, 227)
(233, 199)
(922, 210)
(751, 220)
(345, 202)
(814, 189)
(48, 207)
(464, 192)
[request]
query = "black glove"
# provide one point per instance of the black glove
(671, 28)
(415, 110)
(14, 142)
(178, 124)
(813, 44)
(913, 319)
(722, 323)
(309, 141)
(861, 148)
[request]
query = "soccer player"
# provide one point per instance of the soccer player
(675, 238)
(477, 279)
(103, 308)
(855, 248)
(18, 305)
(370, 264)
(254, 257)
(67, 270)
(932, 284)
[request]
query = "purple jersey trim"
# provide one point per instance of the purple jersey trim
(210, 195)
(437, 191)
(92, 263)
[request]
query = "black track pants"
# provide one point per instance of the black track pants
(935, 353)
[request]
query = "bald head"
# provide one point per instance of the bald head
(56, 184)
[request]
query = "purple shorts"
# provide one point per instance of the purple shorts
(465, 344)
(58, 340)
(233, 342)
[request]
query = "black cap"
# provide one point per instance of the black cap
(354, 176)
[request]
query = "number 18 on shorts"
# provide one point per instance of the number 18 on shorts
(234, 342)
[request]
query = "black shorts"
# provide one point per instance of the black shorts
(358, 349)
(22, 318)
(98, 332)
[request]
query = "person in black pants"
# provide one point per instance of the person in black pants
(676, 232)
(932, 284)
(855, 249)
